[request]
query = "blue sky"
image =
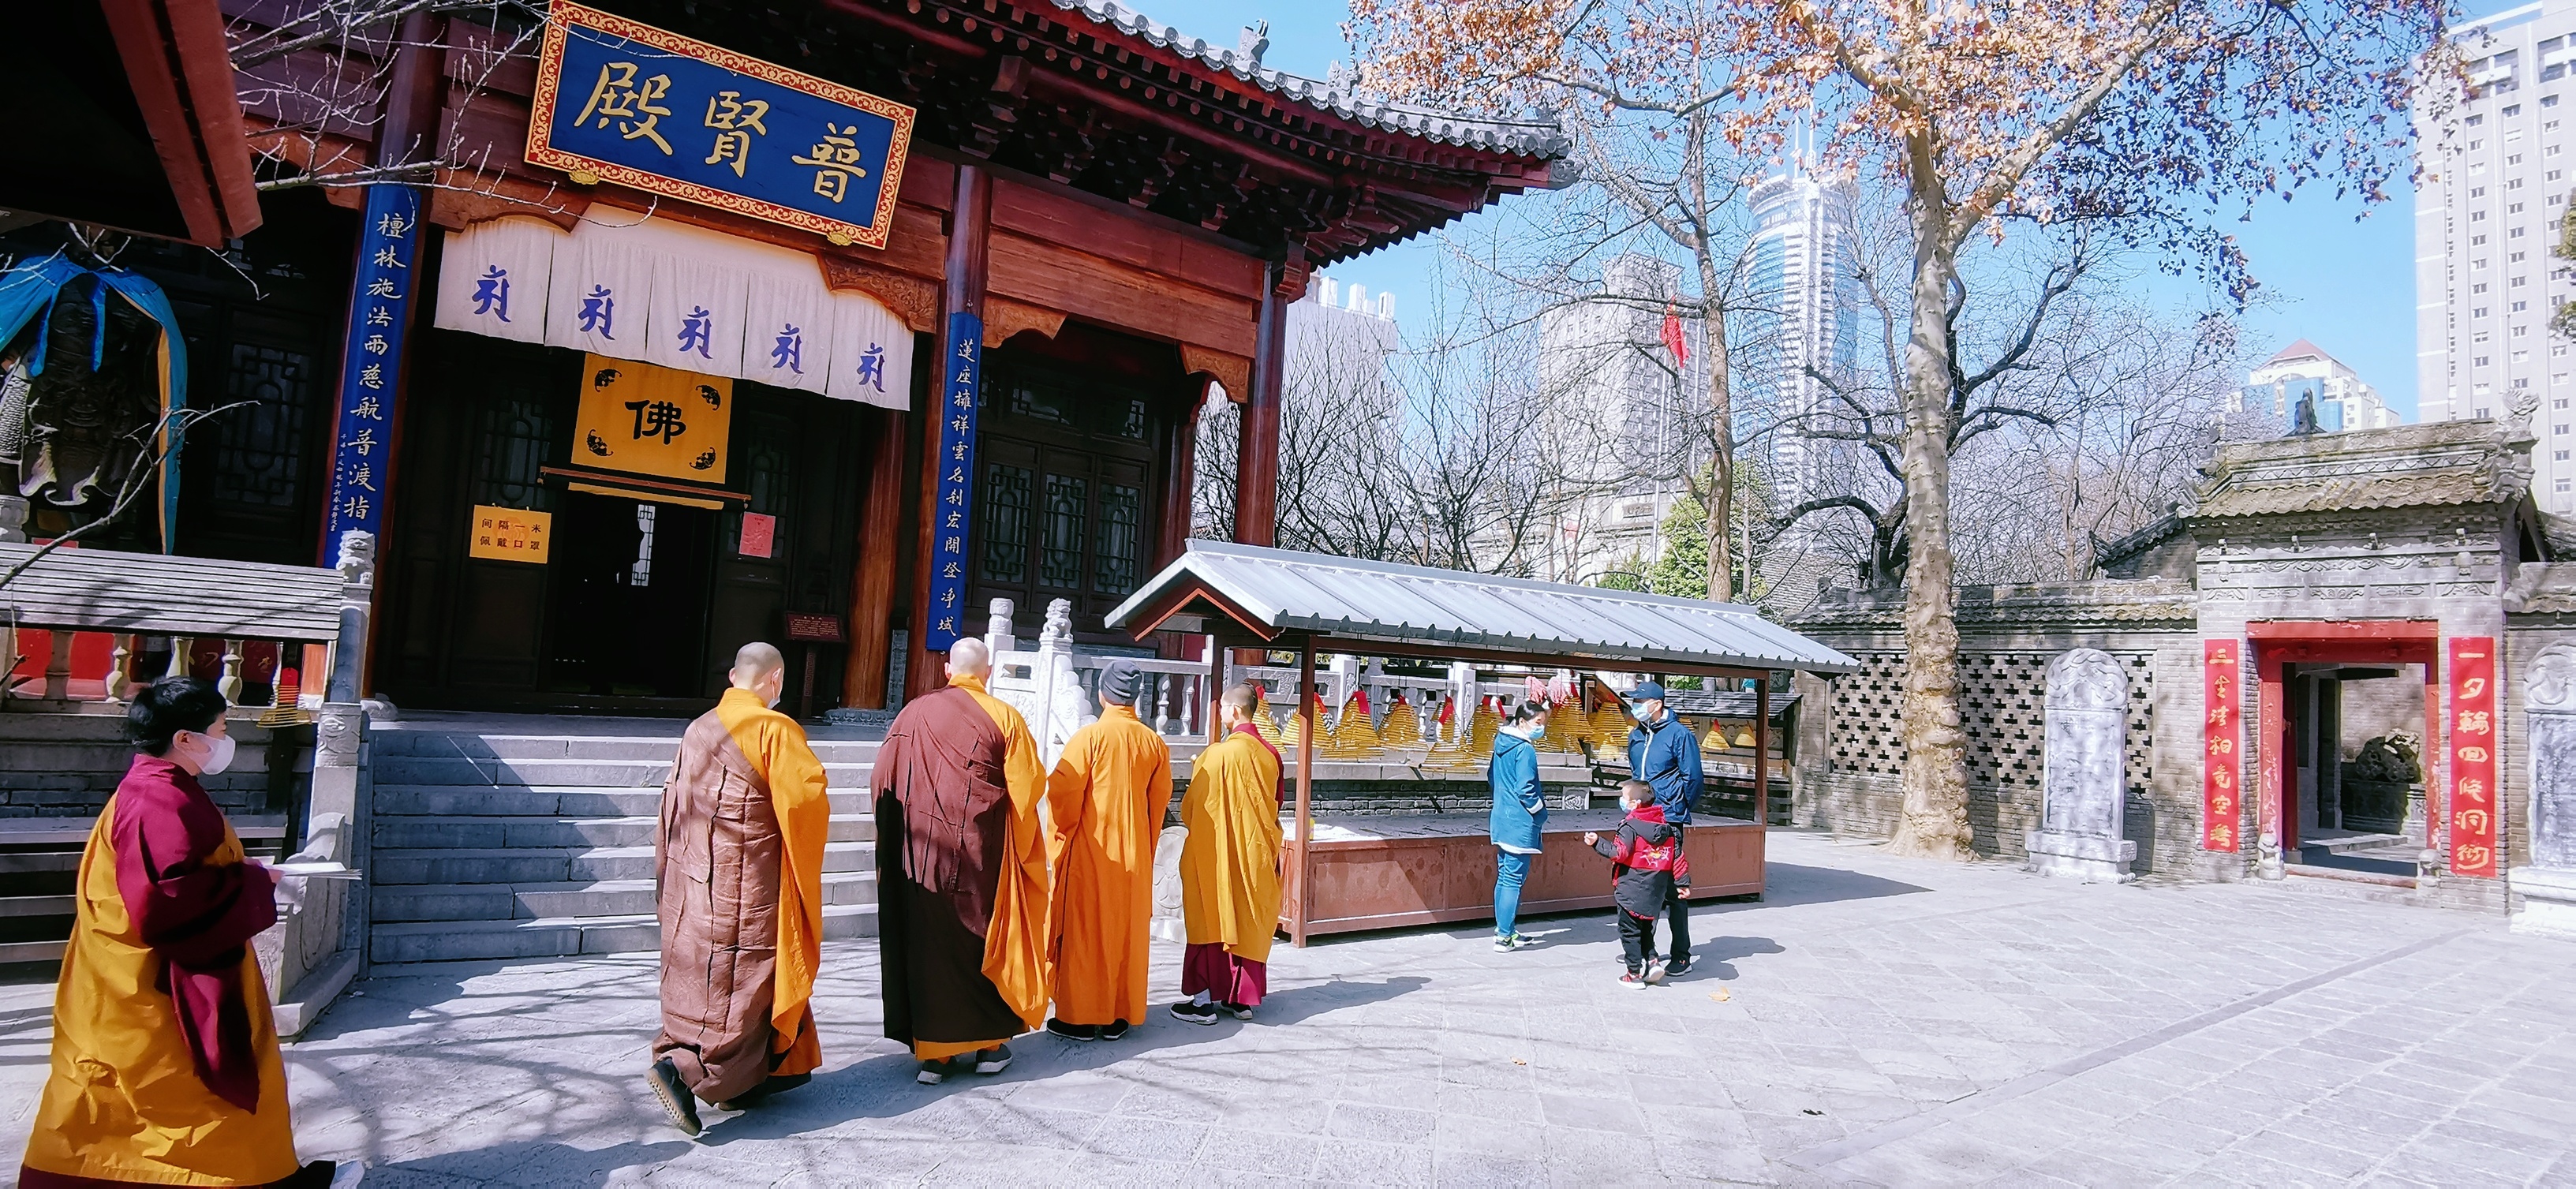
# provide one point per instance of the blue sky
(2332, 272)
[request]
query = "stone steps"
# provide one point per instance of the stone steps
(535, 901)
(513, 831)
(524, 843)
(546, 937)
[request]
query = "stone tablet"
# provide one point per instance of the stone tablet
(2084, 786)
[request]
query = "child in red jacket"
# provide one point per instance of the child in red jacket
(1649, 870)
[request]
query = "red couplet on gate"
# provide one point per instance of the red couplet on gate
(2473, 756)
(2220, 730)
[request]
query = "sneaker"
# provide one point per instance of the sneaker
(1513, 941)
(1113, 1030)
(1655, 972)
(1194, 1013)
(932, 1073)
(1238, 1010)
(1632, 978)
(1677, 969)
(993, 1060)
(682, 1105)
(1074, 1031)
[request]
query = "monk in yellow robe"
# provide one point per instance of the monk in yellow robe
(1230, 867)
(961, 874)
(165, 1064)
(1107, 796)
(738, 868)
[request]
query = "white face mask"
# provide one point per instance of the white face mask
(219, 754)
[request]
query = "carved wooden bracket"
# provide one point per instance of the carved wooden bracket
(1233, 371)
(912, 299)
(1004, 317)
(493, 197)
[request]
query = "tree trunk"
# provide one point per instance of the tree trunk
(1934, 822)
(1721, 417)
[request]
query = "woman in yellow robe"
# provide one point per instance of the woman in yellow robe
(165, 1061)
(1230, 868)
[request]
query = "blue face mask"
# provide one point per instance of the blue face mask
(1538, 730)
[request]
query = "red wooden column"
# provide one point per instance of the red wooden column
(2274, 765)
(970, 223)
(1256, 473)
(863, 675)
(1762, 752)
(1305, 902)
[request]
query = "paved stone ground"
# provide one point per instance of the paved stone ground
(1875, 1020)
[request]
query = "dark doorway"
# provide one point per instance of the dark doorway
(628, 614)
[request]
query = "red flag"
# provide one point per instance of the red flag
(1673, 339)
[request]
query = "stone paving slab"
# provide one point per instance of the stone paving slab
(1873, 1021)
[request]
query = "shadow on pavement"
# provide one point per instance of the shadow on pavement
(530, 1163)
(882, 1086)
(1786, 884)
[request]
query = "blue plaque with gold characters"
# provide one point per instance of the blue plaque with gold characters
(621, 101)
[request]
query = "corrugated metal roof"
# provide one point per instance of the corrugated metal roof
(1539, 138)
(1363, 601)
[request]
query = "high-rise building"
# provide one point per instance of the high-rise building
(2337, 397)
(2495, 183)
(1803, 297)
(1624, 420)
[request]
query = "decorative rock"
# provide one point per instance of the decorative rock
(2548, 885)
(2084, 790)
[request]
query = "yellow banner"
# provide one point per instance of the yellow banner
(649, 420)
(511, 534)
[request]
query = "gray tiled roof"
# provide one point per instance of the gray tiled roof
(2427, 465)
(1361, 601)
(1538, 138)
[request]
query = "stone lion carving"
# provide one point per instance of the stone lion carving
(2389, 759)
(2087, 679)
(2552, 679)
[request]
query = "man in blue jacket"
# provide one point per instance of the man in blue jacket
(1663, 753)
(1520, 813)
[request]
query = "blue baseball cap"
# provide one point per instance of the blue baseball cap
(1647, 691)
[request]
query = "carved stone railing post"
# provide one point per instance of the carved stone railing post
(357, 566)
(180, 646)
(119, 685)
(2548, 884)
(58, 669)
(230, 684)
(2084, 787)
(997, 631)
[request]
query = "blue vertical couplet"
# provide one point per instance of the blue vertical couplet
(370, 361)
(953, 500)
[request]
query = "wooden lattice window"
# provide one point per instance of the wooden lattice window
(260, 450)
(1115, 572)
(1006, 523)
(509, 470)
(1060, 556)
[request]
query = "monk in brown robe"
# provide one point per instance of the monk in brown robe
(962, 874)
(738, 864)
(165, 1064)
(1107, 796)
(1230, 867)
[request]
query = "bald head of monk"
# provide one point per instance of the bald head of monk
(758, 667)
(968, 657)
(1237, 706)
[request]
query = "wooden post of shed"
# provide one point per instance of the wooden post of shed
(1215, 691)
(1762, 751)
(1305, 790)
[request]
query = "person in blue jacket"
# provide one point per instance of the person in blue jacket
(1663, 753)
(1520, 813)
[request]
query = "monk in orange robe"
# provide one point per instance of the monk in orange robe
(738, 861)
(1107, 796)
(961, 874)
(1230, 867)
(165, 1065)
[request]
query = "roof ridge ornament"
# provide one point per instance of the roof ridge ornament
(1255, 42)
